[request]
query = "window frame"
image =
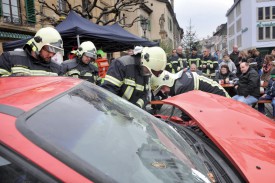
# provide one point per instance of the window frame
(32, 169)
(9, 17)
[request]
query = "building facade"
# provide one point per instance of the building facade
(20, 19)
(251, 24)
(162, 23)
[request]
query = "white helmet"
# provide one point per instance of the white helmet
(88, 49)
(48, 37)
(154, 58)
(164, 79)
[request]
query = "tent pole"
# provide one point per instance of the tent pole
(78, 42)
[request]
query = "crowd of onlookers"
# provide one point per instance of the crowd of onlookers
(250, 74)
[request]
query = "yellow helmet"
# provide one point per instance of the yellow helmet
(48, 37)
(154, 58)
(88, 49)
(164, 79)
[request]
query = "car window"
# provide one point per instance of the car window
(10, 172)
(105, 137)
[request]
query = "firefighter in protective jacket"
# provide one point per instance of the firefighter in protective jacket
(81, 66)
(128, 76)
(182, 82)
(35, 58)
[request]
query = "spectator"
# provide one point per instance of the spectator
(226, 61)
(128, 76)
(258, 59)
(252, 63)
(208, 64)
(242, 58)
(248, 87)
(178, 62)
(225, 75)
(193, 68)
(81, 66)
(269, 94)
(273, 52)
(174, 52)
(234, 55)
(267, 68)
(36, 57)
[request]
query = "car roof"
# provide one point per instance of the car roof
(21, 94)
(245, 136)
(28, 92)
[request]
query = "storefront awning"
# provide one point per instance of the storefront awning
(13, 35)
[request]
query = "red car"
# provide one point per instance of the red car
(58, 129)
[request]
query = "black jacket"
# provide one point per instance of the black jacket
(176, 63)
(249, 84)
(235, 58)
(76, 68)
(21, 63)
(124, 78)
(220, 76)
(211, 65)
(270, 90)
(190, 81)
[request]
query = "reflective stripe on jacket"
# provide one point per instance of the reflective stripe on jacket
(75, 68)
(21, 63)
(124, 78)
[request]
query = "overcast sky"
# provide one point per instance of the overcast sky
(205, 15)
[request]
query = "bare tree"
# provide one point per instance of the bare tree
(88, 8)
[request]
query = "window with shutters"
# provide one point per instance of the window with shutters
(11, 11)
(30, 11)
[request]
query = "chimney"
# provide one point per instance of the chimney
(172, 4)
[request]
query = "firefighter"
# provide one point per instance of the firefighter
(182, 82)
(81, 66)
(209, 64)
(177, 62)
(194, 58)
(128, 76)
(35, 58)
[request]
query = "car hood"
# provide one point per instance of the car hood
(245, 136)
(28, 92)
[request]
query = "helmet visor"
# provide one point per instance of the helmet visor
(54, 49)
(90, 54)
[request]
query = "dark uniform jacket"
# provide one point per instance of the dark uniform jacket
(124, 78)
(211, 65)
(76, 68)
(191, 81)
(195, 59)
(21, 63)
(176, 63)
(249, 84)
